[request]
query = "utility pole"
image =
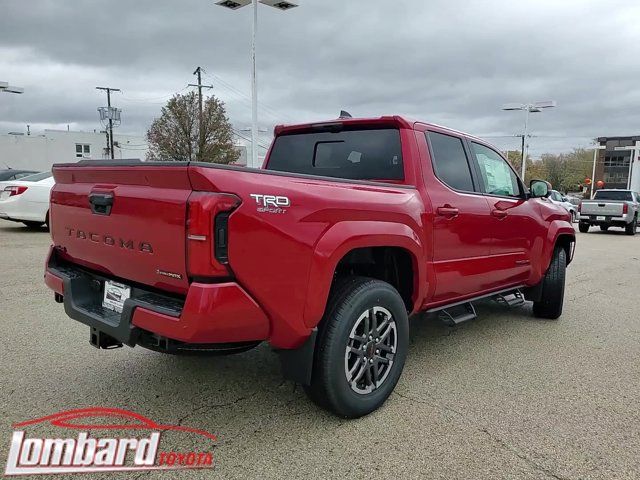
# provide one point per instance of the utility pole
(110, 115)
(198, 72)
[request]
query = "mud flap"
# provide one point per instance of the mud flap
(297, 365)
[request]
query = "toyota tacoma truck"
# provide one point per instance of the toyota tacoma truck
(350, 227)
(610, 208)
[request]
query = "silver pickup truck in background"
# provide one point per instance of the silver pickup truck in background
(610, 208)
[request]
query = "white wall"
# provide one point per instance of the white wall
(41, 151)
(635, 172)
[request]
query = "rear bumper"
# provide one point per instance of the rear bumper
(210, 313)
(606, 219)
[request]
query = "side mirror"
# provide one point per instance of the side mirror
(539, 189)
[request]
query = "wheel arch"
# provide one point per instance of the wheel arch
(359, 246)
(560, 234)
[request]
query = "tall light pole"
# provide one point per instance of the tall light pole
(596, 151)
(235, 5)
(527, 108)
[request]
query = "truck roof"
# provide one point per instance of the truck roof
(614, 190)
(399, 121)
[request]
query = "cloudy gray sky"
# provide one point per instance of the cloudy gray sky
(450, 62)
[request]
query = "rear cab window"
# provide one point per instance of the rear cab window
(616, 195)
(354, 154)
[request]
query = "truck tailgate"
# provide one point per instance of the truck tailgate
(595, 207)
(125, 222)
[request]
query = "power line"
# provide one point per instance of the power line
(152, 100)
(265, 107)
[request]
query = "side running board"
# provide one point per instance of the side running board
(457, 314)
(510, 299)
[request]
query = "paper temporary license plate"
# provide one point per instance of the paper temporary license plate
(601, 218)
(114, 295)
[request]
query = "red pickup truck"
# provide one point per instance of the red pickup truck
(351, 226)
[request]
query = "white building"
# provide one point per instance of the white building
(41, 151)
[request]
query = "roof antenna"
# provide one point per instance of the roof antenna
(344, 114)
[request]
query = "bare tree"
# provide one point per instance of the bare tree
(175, 135)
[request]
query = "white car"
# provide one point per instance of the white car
(27, 200)
(557, 198)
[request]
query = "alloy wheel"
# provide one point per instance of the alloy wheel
(370, 350)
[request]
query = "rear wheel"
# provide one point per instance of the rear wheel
(631, 228)
(362, 347)
(583, 227)
(552, 298)
(604, 228)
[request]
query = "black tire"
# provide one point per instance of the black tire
(604, 228)
(631, 228)
(351, 307)
(34, 225)
(552, 298)
(583, 227)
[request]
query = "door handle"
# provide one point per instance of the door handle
(499, 213)
(447, 211)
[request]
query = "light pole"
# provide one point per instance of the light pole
(235, 5)
(596, 149)
(6, 88)
(527, 108)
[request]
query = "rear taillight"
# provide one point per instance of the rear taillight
(208, 235)
(15, 190)
(625, 208)
(580, 207)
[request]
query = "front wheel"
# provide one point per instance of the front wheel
(362, 347)
(583, 227)
(552, 298)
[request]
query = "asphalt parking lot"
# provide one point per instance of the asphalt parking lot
(504, 396)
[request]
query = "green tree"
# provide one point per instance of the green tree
(567, 171)
(175, 135)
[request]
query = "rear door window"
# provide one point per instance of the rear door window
(374, 154)
(450, 161)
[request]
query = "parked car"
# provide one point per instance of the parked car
(11, 174)
(351, 226)
(559, 199)
(610, 208)
(27, 200)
